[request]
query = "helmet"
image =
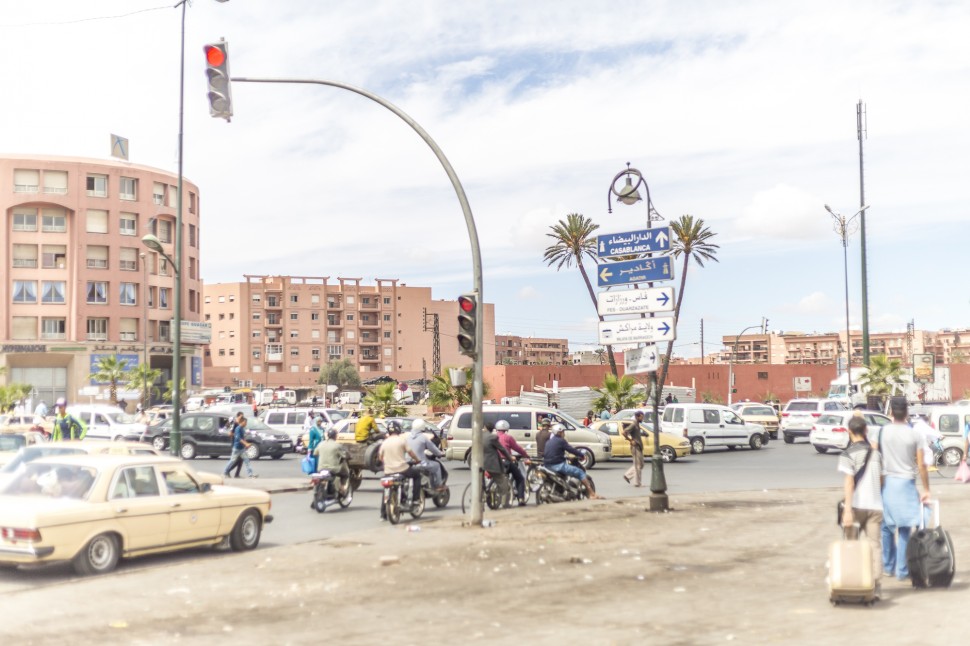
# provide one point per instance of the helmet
(61, 401)
(501, 425)
(332, 434)
(558, 428)
(418, 426)
(393, 426)
(545, 422)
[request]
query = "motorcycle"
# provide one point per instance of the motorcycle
(397, 496)
(439, 498)
(557, 487)
(326, 493)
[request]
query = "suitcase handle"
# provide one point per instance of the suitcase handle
(856, 531)
(935, 505)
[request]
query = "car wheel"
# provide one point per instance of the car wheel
(99, 556)
(765, 437)
(667, 454)
(188, 451)
(820, 449)
(118, 438)
(774, 435)
(252, 451)
(441, 499)
(789, 439)
(468, 458)
(159, 443)
(756, 442)
(245, 535)
(587, 459)
(697, 445)
(213, 457)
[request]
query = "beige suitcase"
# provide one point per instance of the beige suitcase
(851, 579)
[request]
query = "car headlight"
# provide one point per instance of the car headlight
(266, 436)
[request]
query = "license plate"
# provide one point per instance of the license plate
(287, 445)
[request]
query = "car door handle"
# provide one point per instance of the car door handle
(121, 510)
(528, 434)
(175, 504)
(722, 425)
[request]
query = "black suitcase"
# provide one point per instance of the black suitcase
(930, 555)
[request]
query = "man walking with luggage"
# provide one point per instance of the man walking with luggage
(902, 451)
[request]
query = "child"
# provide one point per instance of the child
(863, 493)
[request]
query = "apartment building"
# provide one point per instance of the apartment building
(79, 283)
(280, 330)
(829, 348)
(530, 351)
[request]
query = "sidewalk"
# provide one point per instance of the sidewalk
(740, 567)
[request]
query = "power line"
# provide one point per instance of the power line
(80, 20)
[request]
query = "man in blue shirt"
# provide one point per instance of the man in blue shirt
(554, 458)
(239, 445)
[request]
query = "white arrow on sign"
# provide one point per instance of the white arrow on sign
(635, 301)
(641, 360)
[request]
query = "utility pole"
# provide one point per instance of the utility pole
(435, 340)
(702, 342)
(861, 133)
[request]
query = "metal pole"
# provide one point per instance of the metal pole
(144, 298)
(734, 352)
(477, 383)
(862, 233)
(848, 333)
(176, 434)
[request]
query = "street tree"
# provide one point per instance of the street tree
(691, 240)
(443, 394)
(618, 393)
(169, 393)
(381, 400)
(884, 377)
(143, 377)
(112, 371)
(341, 373)
(574, 238)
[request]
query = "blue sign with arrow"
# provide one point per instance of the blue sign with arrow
(644, 270)
(633, 242)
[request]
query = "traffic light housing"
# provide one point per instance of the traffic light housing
(467, 324)
(217, 78)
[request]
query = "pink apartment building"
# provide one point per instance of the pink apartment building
(78, 282)
(280, 330)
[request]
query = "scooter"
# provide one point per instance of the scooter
(556, 487)
(325, 492)
(439, 498)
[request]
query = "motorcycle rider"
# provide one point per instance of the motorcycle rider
(513, 447)
(554, 459)
(543, 436)
(333, 456)
(494, 465)
(394, 454)
(420, 444)
(366, 431)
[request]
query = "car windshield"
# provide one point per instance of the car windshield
(759, 410)
(798, 407)
(53, 481)
(569, 418)
(256, 424)
(31, 453)
(337, 415)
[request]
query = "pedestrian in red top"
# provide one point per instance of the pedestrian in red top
(514, 448)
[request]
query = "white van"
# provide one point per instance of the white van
(711, 425)
(524, 425)
(106, 422)
(291, 420)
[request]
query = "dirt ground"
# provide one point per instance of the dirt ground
(741, 567)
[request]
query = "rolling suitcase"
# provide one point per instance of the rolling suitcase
(851, 579)
(929, 554)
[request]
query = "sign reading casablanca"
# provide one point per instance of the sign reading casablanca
(196, 332)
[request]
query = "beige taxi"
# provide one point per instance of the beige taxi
(755, 413)
(671, 446)
(92, 510)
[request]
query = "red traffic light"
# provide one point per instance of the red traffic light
(214, 56)
(466, 304)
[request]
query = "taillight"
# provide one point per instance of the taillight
(15, 534)
(816, 414)
(387, 482)
(784, 414)
(451, 437)
(840, 429)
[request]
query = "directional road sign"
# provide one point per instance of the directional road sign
(635, 301)
(633, 242)
(645, 270)
(638, 330)
(641, 360)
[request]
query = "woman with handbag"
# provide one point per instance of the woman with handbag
(316, 436)
(861, 464)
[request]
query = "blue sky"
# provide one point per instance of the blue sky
(739, 113)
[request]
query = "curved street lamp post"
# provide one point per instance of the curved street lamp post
(845, 227)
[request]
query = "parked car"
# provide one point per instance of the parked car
(105, 422)
(524, 425)
(90, 510)
(950, 420)
(831, 430)
(756, 413)
(801, 414)
(210, 434)
(671, 446)
(193, 404)
(706, 425)
(10, 423)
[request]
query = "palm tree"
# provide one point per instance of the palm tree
(443, 394)
(112, 371)
(574, 239)
(381, 400)
(692, 240)
(884, 377)
(617, 393)
(144, 377)
(169, 393)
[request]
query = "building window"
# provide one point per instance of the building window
(163, 297)
(128, 259)
(25, 221)
(97, 257)
(232, 352)
(128, 225)
(232, 298)
(54, 221)
(151, 298)
(762, 375)
(128, 188)
(97, 185)
(52, 291)
(314, 316)
(294, 299)
(222, 317)
(165, 231)
(315, 353)
(128, 293)
(23, 328)
(350, 352)
(334, 351)
(387, 300)
(25, 256)
(257, 354)
(222, 352)
(294, 352)
(192, 268)
(25, 180)
(55, 182)
(387, 318)
(294, 316)
(314, 334)
(164, 331)
(257, 316)
(98, 329)
(97, 292)
(365, 300)
(24, 291)
(232, 334)
(257, 334)
(257, 298)
(315, 299)
(350, 318)
(53, 329)
(294, 334)
(158, 193)
(387, 335)
(128, 330)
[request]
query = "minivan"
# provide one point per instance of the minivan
(291, 420)
(708, 425)
(106, 422)
(523, 426)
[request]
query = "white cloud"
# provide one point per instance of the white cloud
(528, 293)
(815, 303)
(784, 212)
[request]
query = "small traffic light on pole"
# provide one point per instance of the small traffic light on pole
(467, 324)
(217, 77)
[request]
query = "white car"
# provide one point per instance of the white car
(801, 414)
(831, 430)
(706, 425)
